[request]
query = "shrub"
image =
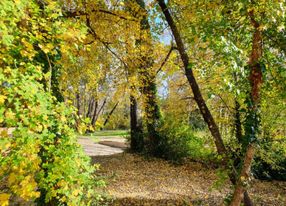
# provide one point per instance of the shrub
(177, 141)
(41, 161)
(270, 161)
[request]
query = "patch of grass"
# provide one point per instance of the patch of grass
(111, 133)
(95, 136)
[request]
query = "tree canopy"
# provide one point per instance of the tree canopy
(204, 80)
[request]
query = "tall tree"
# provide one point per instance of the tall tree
(147, 77)
(252, 120)
(192, 81)
(197, 93)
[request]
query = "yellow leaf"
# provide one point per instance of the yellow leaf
(4, 199)
(39, 128)
(2, 99)
(76, 192)
(12, 178)
(4, 132)
(9, 114)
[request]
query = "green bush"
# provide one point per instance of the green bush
(177, 141)
(270, 161)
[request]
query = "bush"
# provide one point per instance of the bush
(270, 161)
(265, 171)
(41, 161)
(177, 141)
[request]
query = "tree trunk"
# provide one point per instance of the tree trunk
(237, 123)
(137, 141)
(84, 104)
(208, 118)
(109, 115)
(238, 135)
(244, 176)
(55, 85)
(90, 108)
(133, 116)
(152, 113)
(252, 120)
(96, 114)
(78, 104)
(148, 79)
(192, 81)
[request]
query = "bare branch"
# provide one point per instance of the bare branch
(166, 59)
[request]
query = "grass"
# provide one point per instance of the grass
(95, 136)
(111, 133)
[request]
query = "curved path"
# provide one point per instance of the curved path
(104, 147)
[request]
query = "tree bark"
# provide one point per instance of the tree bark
(192, 81)
(208, 118)
(96, 114)
(153, 115)
(244, 176)
(148, 80)
(237, 123)
(252, 121)
(133, 115)
(90, 108)
(83, 104)
(78, 104)
(137, 141)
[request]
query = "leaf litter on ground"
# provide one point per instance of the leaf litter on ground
(136, 180)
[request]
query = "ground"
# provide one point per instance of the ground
(135, 180)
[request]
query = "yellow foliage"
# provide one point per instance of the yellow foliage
(4, 199)
(9, 114)
(2, 99)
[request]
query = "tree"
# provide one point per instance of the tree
(192, 81)
(41, 158)
(196, 90)
(228, 31)
(147, 77)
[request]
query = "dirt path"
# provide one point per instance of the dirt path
(96, 149)
(134, 180)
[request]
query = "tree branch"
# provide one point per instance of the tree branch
(72, 14)
(166, 59)
(93, 33)
(225, 104)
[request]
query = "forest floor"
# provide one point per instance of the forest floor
(136, 180)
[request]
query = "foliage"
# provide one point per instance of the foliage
(270, 162)
(41, 160)
(120, 53)
(177, 141)
(218, 36)
(119, 118)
